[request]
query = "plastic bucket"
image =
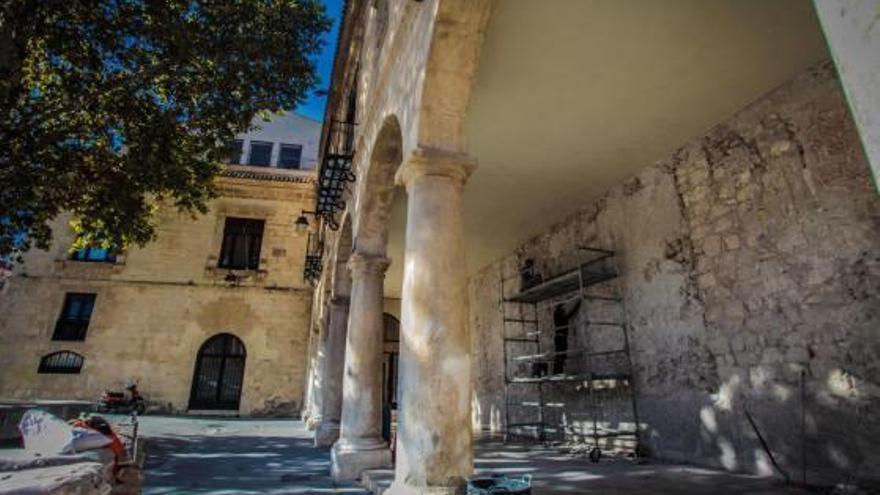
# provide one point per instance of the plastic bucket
(497, 484)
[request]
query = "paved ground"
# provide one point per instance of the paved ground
(557, 473)
(188, 455)
(229, 456)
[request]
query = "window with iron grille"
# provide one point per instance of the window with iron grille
(75, 315)
(290, 156)
(94, 254)
(261, 154)
(235, 150)
(242, 238)
(65, 362)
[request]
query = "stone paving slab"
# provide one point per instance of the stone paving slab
(224, 456)
(557, 473)
(229, 456)
(83, 478)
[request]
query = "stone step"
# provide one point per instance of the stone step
(377, 481)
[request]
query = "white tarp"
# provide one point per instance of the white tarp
(46, 434)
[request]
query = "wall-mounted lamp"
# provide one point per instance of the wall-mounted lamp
(302, 223)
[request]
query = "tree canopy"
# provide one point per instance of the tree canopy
(110, 107)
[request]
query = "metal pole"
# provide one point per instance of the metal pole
(594, 406)
(803, 428)
(632, 389)
(504, 351)
(134, 437)
(542, 434)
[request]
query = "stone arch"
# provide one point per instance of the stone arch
(218, 377)
(453, 58)
(376, 191)
(379, 27)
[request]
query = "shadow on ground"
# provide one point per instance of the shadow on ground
(197, 456)
(235, 457)
(555, 472)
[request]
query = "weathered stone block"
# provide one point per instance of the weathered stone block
(772, 356)
(707, 280)
(731, 242)
(712, 245)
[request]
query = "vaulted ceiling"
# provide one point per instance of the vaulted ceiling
(574, 96)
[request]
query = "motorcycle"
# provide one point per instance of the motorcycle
(118, 403)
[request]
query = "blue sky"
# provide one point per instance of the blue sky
(313, 107)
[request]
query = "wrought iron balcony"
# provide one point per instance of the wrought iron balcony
(335, 171)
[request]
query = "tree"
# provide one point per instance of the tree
(110, 107)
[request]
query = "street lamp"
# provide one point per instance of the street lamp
(302, 223)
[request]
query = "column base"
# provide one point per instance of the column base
(399, 488)
(313, 423)
(348, 461)
(327, 434)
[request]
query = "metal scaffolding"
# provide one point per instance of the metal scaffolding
(604, 374)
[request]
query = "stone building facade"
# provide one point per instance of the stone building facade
(711, 149)
(196, 322)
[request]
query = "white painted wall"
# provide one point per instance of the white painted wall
(288, 128)
(852, 28)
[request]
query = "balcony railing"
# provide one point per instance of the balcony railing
(340, 139)
(314, 254)
(336, 171)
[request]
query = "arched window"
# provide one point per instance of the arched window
(61, 362)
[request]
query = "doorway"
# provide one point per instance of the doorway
(219, 374)
(391, 351)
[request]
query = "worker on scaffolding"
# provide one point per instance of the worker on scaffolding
(563, 317)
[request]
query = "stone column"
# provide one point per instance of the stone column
(853, 34)
(334, 364)
(316, 375)
(360, 445)
(434, 436)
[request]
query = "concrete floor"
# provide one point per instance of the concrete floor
(228, 456)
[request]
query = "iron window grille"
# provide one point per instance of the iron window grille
(235, 151)
(290, 156)
(61, 362)
(94, 254)
(242, 239)
(261, 154)
(75, 316)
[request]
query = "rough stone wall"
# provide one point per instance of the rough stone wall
(157, 305)
(749, 267)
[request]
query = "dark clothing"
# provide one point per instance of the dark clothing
(563, 322)
(529, 276)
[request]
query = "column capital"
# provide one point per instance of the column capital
(368, 263)
(435, 162)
